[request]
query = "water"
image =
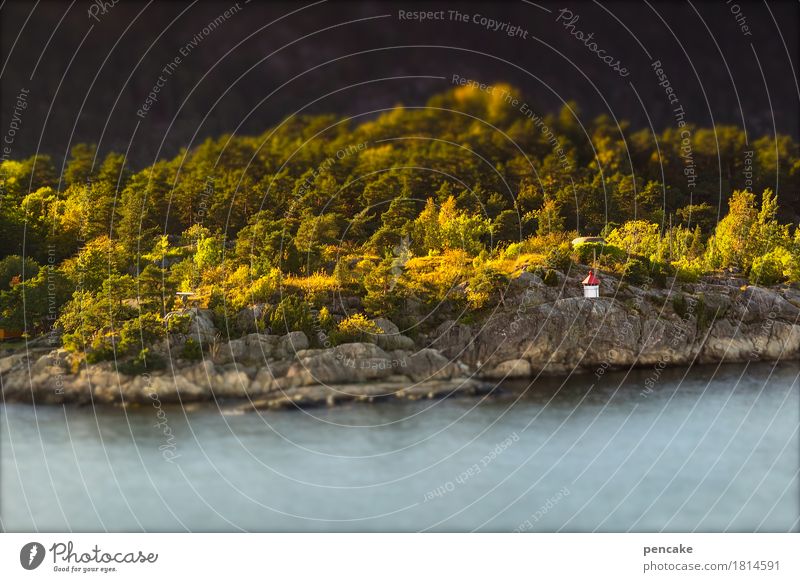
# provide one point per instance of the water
(709, 450)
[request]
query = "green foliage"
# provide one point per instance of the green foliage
(325, 320)
(314, 233)
(141, 331)
(485, 283)
(704, 313)
(549, 218)
(702, 216)
(81, 163)
(771, 268)
(559, 258)
(449, 229)
(551, 278)
(291, 314)
(42, 295)
(636, 237)
(191, 350)
(100, 258)
(355, 328)
(659, 271)
(241, 219)
(209, 252)
(179, 323)
(688, 270)
(385, 288)
(90, 317)
(11, 271)
(507, 227)
(101, 349)
(748, 234)
(144, 361)
(636, 272)
(606, 254)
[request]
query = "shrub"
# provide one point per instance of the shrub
(485, 282)
(179, 323)
(101, 349)
(192, 350)
(705, 314)
(325, 320)
(537, 270)
(559, 258)
(11, 269)
(636, 237)
(659, 272)
(606, 254)
(142, 331)
(513, 250)
(635, 272)
(385, 288)
(770, 268)
(356, 328)
(550, 278)
(688, 271)
(143, 362)
(291, 314)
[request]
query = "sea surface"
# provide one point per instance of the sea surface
(714, 448)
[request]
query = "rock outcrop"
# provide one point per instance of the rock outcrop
(269, 371)
(537, 330)
(700, 323)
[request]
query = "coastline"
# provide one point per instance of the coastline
(537, 330)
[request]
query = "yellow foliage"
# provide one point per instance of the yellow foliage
(357, 324)
(319, 282)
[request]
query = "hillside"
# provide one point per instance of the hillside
(420, 215)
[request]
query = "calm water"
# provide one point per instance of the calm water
(714, 450)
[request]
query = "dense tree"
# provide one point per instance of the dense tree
(414, 207)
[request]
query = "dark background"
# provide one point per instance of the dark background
(87, 84)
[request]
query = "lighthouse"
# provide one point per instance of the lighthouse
(591, 286)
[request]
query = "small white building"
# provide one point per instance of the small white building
(591, 286)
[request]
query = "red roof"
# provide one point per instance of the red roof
(591, 279)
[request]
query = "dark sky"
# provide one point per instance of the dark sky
(87, 77)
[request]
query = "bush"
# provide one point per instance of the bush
(101, 349)
(356, 328)
(11, 269)
(537, 270)
(635, 272)
(140, 331)
(636, 237)
(179, 323)
(484, 283)
(191, 350)
(291, 314)
(385, 286)
(659, 272)
(559, 258)
(688, 271)
(550, 278)
(705, 314)
(513, 250)
(143, 362)
(606, 254)
(769, 269)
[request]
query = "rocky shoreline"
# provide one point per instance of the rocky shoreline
(537, 329)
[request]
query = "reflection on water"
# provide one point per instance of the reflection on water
(709, 449)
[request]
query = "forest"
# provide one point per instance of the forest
(416, 210)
